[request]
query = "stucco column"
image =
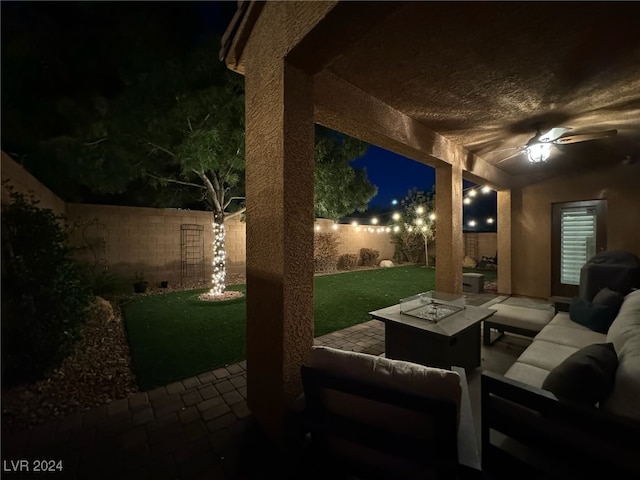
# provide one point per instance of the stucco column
(504, 242)
(279, 190)
(449, 242)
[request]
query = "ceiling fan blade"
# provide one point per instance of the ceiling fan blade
(553, 134)
(508, 157)
(584, 137)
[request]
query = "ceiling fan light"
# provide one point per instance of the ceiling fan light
(538, 152)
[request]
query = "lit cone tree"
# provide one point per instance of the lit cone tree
(414, 225)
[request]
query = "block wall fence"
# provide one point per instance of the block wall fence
(154, 241)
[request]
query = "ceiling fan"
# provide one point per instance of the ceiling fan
(538, 148)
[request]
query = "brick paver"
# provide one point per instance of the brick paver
(191, 429)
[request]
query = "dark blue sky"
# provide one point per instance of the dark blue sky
(394, 175)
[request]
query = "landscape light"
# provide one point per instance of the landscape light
(317, 228)
(335, 226)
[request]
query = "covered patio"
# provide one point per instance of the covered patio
(461, 87)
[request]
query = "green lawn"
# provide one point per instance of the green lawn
(175, 335)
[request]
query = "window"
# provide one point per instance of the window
(578, 233)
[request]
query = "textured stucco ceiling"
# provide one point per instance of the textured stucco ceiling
(483, 73)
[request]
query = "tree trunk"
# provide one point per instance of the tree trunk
(219, 277)
(426, 251)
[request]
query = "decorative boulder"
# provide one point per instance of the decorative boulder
(469, 262)
(386, 263)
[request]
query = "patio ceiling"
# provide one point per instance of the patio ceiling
(483, 74)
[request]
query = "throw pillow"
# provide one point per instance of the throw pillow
(585, 376)
(595, 316)
(610, 298)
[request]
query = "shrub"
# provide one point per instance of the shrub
(102, 283)
(369, 257)
(44, 299)
(347, 261)
(325, 252)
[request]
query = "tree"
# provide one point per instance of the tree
(176, 118)
(414, 224)
(339, 189)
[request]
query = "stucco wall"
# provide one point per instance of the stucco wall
(531, 217)
(352, 239)
(23, 181)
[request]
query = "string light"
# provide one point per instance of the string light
(466, 200)
(418, 221)
(374, 221)
(486, 189)
(354, 224)
(432, 216)
(472, 223)
(420, 210)
(472, 193)
(219, 274)
(396, 216)
(489, 220)
(335, 226)
(317, 228)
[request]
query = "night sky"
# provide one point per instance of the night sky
(62, 30)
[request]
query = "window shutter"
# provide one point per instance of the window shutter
(578, 242)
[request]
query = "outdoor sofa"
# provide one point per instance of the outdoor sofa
(591, 424)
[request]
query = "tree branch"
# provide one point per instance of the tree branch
(203, 121)
(211, 189)
(228, 216)
(189, 122)
(91, 144)
(162, 149)
(231, 200)
(180, 182)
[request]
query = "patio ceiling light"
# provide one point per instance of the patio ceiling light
(538, 152)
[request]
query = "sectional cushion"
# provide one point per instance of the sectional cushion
(586, 376)
(384, 372)
(596, 316)
(610, 298)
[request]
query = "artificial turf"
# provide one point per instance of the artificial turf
(175, 335)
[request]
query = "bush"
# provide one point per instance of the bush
(325, 252)
(369, 257)
(103, 283)
(44, 299)
(348, 261)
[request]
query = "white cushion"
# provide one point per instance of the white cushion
(625, 397)
(627, 323)
(573, 335)
(399, 375)
(522, 317)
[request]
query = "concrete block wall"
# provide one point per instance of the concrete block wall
(138, 239)
(352, 239)
(487, 244)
